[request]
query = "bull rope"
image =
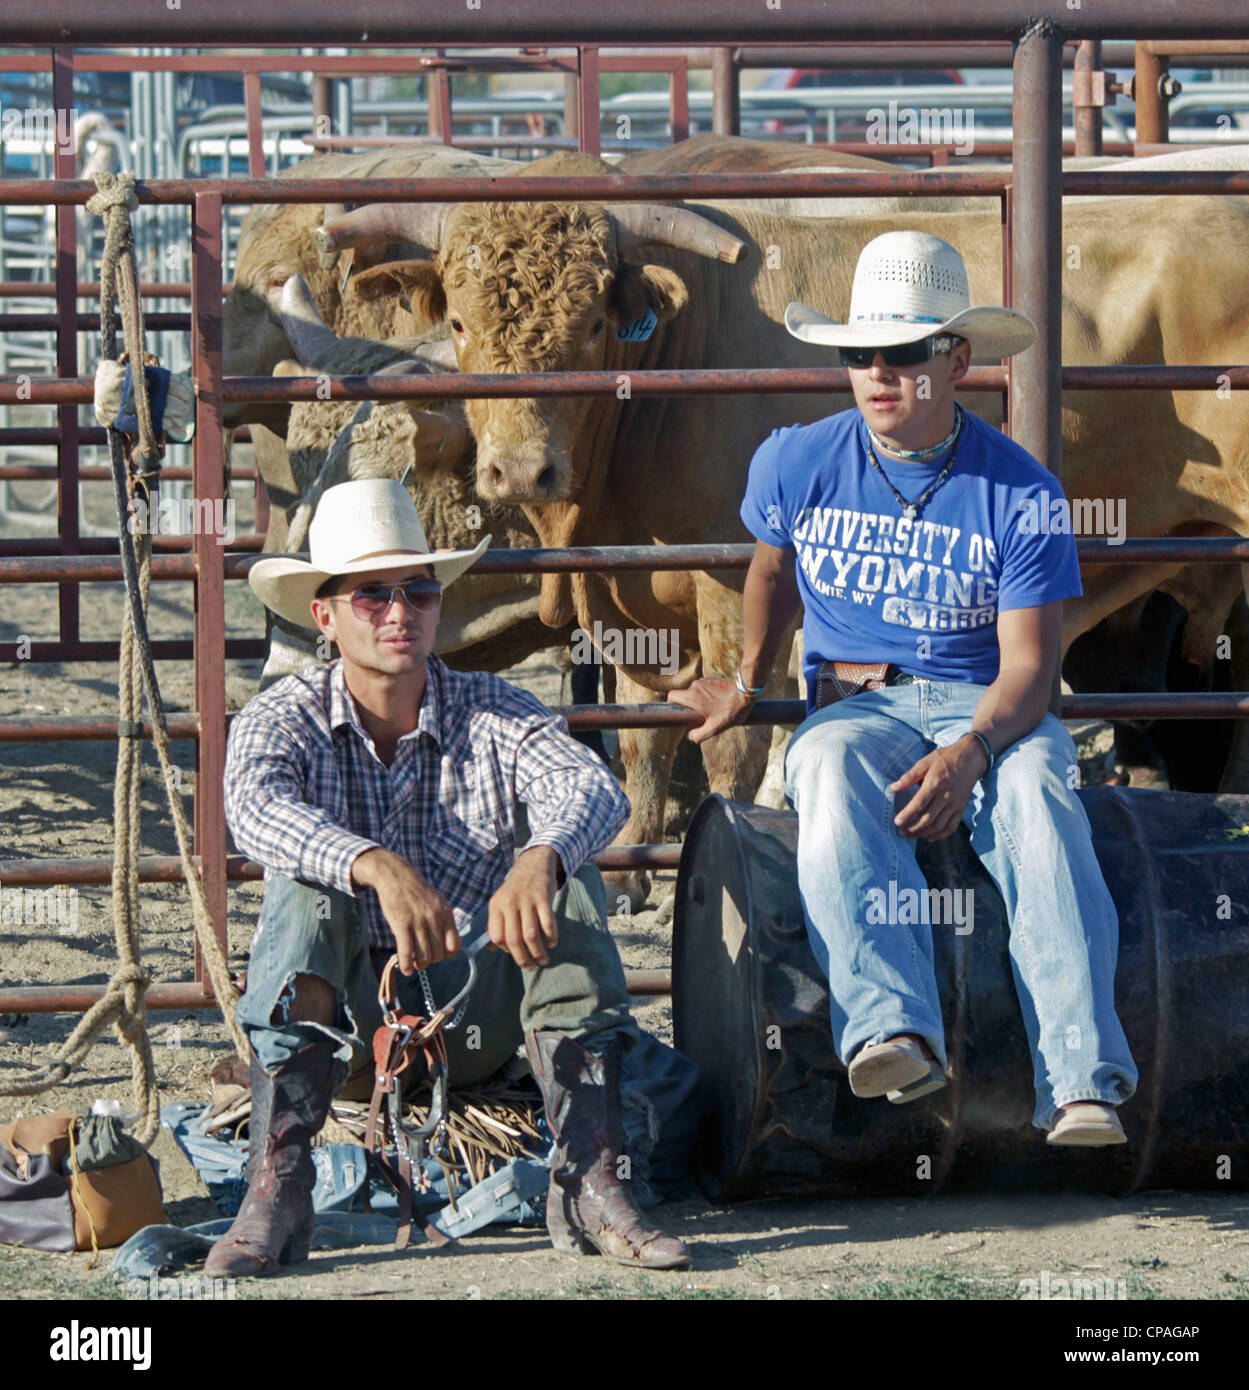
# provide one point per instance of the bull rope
(123, 1003)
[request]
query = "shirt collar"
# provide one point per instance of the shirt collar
(429, 721)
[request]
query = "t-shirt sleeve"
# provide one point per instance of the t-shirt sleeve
(763, 507)
(1039, 565)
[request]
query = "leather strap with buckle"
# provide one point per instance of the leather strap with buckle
(839, 680)
(395, 1047)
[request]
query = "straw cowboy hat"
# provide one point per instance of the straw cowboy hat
(370, 524)
(909, 285)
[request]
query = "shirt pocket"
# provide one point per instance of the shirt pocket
(468, 855)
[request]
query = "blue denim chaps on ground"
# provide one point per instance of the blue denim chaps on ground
(1029, 831)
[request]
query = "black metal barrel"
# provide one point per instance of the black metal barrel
(778, 1118)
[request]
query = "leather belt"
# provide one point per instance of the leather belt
(839, 680)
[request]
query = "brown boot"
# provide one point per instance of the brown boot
(588, 1206)
(274, 1224)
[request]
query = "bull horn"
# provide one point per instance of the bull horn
(418, 223)
(437, 353)
(307, 332)
(407, 366)
(333, 212)
(654, 224)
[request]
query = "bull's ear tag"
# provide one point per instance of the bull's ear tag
(640, 329)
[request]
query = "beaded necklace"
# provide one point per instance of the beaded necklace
(932, 451)
(912, 509)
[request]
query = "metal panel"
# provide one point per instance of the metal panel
(209, 558)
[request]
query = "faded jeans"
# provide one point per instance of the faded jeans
(1032, 835)
(305, 929)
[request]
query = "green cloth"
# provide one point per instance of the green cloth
(101, 1142)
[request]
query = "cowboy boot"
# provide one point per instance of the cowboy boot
(588, 1206)
(274, 1225)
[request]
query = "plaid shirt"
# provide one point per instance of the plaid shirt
(305, 792)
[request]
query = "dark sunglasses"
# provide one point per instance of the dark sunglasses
(901, 355)
(371, 600)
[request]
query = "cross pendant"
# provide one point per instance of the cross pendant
(911, 511)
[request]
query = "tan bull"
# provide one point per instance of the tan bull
(543, 287)
(276, 246)
(488, 622)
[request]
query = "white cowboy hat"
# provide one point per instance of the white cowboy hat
(909, 285)
(369, 524)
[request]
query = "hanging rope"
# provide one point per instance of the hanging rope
(123, 1003)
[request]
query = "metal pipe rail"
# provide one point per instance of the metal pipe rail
(700, 381)
(449, 22)
(972, 53)
(51, 999)
(72, 728)
(101, 567)
(624, 188)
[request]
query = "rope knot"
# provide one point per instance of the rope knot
(112, 191)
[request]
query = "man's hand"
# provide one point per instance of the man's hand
(415, 911)
(718, 700)
(519, 920)
(947, 777)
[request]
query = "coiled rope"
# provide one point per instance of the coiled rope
(123, 1002)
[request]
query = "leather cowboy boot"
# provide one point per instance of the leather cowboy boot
(588, 1206)
(274, 1224)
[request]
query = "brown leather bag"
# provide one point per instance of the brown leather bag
(43, 1209)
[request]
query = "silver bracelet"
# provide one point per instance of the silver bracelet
(988, 750)
(751, 692)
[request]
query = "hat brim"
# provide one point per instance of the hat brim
(992, 331)
(287, 585)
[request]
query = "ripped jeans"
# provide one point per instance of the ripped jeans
(305, 929)
(1030, 832)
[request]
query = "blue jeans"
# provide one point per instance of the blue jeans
(1031, 834)
(305, 929)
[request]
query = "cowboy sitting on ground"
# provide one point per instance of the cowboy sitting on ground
(932, 629)
(379, 793)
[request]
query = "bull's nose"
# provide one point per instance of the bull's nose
(510, 482)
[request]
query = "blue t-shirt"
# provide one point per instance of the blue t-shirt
(924, 594)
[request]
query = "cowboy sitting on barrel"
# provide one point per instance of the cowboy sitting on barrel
(381, 793)
(932, 628)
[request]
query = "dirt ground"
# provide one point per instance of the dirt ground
(56, 800)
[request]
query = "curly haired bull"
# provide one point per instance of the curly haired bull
(619, 470)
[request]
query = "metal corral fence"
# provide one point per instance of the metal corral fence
(1030, 192)
(267, 141)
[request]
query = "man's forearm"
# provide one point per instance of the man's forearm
(543, 860)
(770, 602)
(1012, 706)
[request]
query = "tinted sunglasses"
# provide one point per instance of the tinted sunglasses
(901, 355)
(372, 600)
